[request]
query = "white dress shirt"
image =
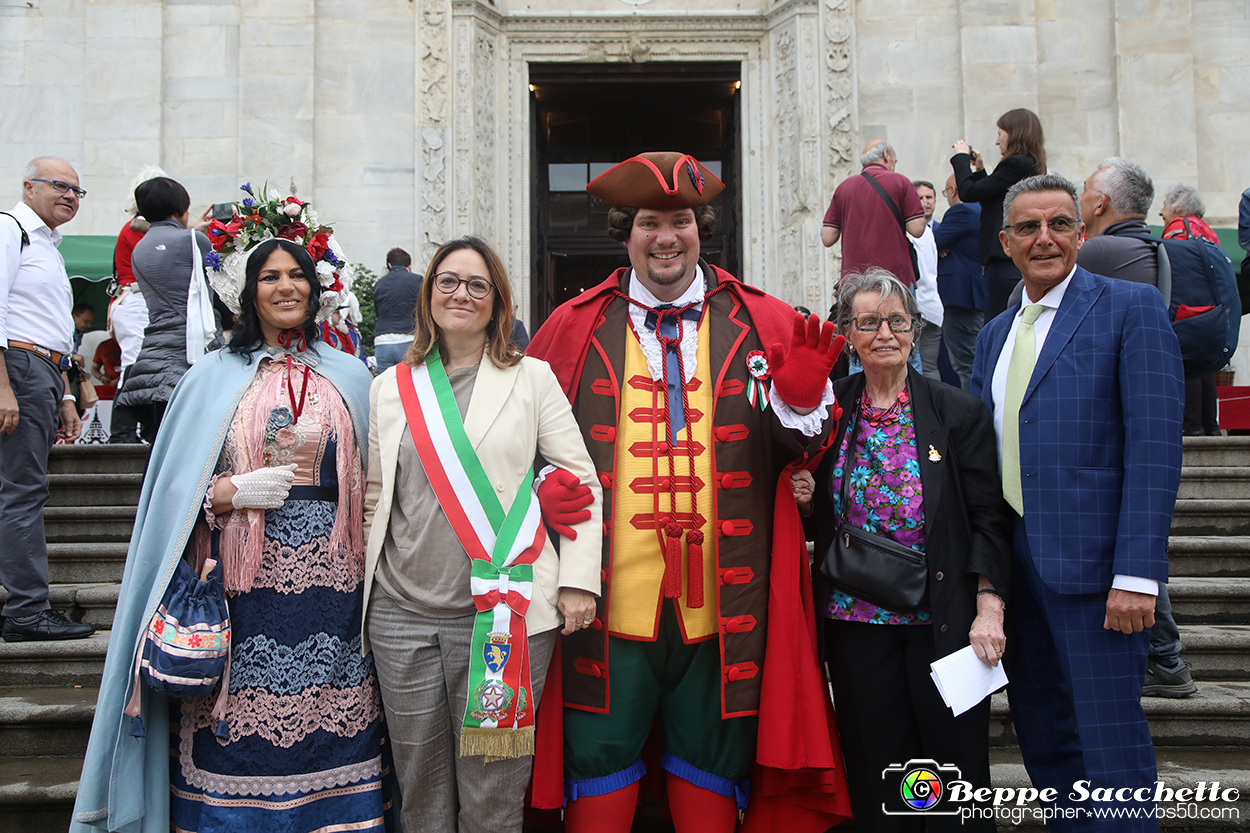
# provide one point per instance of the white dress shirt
(927, 297)
(35, 295)
(809, 424)
(998, 390)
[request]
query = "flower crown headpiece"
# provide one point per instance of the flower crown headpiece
(257, 219)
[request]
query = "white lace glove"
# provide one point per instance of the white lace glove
(265, 488)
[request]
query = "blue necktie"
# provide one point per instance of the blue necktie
(672, 372)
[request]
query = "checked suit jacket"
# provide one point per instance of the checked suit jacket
(1100, 433)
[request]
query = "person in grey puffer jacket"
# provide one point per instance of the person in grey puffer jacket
(162, 263)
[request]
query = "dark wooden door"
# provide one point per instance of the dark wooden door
(587, 118)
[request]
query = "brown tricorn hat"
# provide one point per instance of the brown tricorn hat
(659, 180)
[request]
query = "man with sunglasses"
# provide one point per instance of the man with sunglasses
(1084, 379)
(36, 407)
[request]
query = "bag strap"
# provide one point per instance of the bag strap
(25, 236)
(898, 215)
(1163, 263)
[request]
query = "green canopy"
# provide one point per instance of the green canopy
(89, 256)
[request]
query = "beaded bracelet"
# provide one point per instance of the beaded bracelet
(992, 592)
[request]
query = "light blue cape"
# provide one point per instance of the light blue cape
(125, 780)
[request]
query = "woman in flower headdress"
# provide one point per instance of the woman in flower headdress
(258, 464)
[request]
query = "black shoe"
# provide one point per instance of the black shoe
(1161, 683)
(42, 627)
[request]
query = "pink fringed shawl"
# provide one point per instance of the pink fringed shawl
(245, 449)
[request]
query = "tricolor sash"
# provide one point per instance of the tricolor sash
(503, 546)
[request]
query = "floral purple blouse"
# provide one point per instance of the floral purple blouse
(884, 496)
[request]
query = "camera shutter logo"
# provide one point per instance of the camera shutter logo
(921, 789)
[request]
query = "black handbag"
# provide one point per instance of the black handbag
(877, 570)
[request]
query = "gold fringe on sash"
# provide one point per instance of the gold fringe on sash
(497, 744)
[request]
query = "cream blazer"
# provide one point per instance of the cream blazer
(514, 413)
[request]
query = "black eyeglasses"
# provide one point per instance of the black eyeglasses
(448, 282)
(63, 187)
(898, 323)
(1058, 225)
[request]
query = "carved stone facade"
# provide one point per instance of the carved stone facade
(409, 122)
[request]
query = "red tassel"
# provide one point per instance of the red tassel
(672, 561)
(694, 568)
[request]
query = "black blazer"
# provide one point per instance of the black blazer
(967, 523)
(990, 190)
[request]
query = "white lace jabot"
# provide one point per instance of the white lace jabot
(646, 337)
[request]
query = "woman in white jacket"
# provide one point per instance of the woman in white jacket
(464, 590)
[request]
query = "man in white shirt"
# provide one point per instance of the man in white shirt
(1084, 380)
(37, 335)
(927, 298)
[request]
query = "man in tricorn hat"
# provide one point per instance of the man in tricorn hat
(697, 396)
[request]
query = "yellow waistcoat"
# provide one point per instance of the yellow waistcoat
(643, 502)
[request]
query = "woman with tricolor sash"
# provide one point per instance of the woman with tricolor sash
(464, 591)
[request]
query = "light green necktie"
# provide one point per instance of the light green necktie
(1019, 371)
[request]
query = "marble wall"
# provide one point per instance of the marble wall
(1163, 82)
(407, 121)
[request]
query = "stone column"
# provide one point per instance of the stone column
(433, 134)
(998, 51)
(793, 259)
(200, 133)
(365, 128)
(1155, 79)
(276, 103)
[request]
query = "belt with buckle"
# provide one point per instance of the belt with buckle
(61, 360)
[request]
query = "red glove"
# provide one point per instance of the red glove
(800, 374)
(563, 501)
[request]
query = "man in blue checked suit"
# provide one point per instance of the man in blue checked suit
(1084, 380)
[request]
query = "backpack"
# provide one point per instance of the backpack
(1204, 307)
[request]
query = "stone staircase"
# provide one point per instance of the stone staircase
(49, 689)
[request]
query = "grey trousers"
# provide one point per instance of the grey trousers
(423, 670)
(38, 387)
(960, 327)
(928, 345)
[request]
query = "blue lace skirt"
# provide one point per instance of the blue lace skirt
(306, 741)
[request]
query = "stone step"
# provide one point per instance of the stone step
(94, 604)
(1217, 716)
(103, 459)
(37, 794)
(1208, 556)
(71, 563)
(46, 721)
(1215, 483)
(1217, 652)
(88, 524)
(1211, 517)
(95, 489)
(1210, 601)
(1217, 451)
(1177, 768)
(67, 663)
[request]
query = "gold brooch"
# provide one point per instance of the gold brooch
(934, 456)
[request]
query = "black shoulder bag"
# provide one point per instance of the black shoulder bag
(902, 224)
(869, 567)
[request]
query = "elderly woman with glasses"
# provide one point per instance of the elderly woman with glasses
(914, 464)
(464, 590)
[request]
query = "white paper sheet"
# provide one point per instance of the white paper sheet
(964, 680)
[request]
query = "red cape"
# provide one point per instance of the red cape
(798, 783)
